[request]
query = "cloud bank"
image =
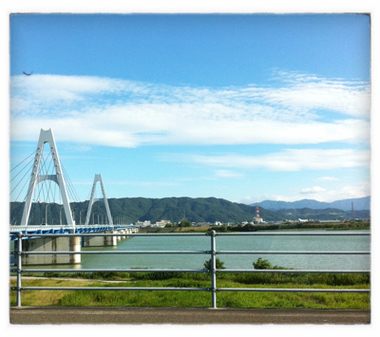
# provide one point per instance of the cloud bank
(296, 109)
(287, 160)
(313, 190)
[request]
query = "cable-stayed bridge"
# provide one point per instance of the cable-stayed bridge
(45, 177)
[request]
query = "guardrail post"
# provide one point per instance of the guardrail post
(19, 258)
(213, 271)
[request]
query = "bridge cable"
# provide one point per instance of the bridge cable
(27, 164)
(23, 177)
(41, 186)
(74, 194)
(45, 187)
(69, 185)
(42, 183)
(33, 153)
(49, 186)
(21, 191)
(29, 186)
(30, 169)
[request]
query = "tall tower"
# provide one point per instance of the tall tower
(47, 137)
(257, 218)
(98, 178)
(352, 210)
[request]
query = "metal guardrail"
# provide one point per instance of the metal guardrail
(213, 271)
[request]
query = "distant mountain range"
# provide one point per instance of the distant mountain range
(344, 205)
(129, 210)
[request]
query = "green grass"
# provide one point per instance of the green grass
(245, 278)
(224, 299)
(201, 298)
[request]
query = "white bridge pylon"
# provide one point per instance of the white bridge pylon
(46, 136)
(98, 178)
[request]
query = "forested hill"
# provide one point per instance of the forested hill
(345, 204)
(130, 210)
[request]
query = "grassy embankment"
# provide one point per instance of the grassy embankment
(198, 298)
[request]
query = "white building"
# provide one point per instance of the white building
(143, 223)
(162, 223)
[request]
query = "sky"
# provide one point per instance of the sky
(244, 107)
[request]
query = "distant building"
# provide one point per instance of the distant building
(162, 223)
(288, 221)
(143, 223)
(326, 221)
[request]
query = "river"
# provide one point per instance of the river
(232, 243)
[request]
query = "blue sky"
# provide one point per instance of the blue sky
(240, 107)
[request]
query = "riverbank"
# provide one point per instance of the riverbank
(349, 225)
(264, 300)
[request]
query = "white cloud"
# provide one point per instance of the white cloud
(327, 179)
(114, 112)
(361, 189)
(311, 92)
(258, 198)
(287, 160)
(312, 190)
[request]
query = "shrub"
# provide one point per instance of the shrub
(219, 264)
(262, 264)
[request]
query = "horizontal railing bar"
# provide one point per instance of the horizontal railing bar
(289, 271)
(195, 252)
(113, 252)
(294, 252)
(258, 271)
(116, 288)
(113, 270)
(294, 234)
(294, 290)
(299, 290)
(190, 234)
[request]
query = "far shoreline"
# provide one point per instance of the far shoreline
(308, 226)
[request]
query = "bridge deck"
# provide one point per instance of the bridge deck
(66, 229)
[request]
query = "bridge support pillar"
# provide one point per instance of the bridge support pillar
(47, 244)
(100, 241)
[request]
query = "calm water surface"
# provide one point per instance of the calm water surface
(199, 243)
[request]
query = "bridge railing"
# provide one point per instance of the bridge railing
(51, 229)
(213, 252)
